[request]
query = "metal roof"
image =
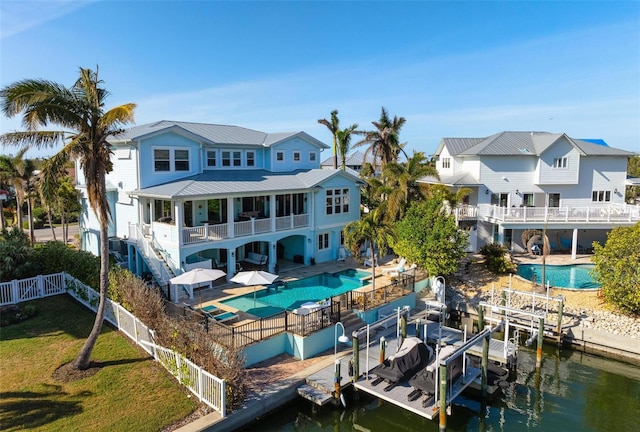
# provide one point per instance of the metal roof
(458, 179)
(523, 144)
(234, 182)
(354, 159)
(213, 133)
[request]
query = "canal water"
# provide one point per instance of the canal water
(573, 392)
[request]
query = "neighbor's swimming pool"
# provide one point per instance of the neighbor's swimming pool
(575, 276)
(291, 295)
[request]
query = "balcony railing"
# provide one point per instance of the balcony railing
(586, 214)
(207, 232)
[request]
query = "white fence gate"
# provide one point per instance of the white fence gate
(209, 389)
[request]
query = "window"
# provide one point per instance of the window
(237, 158)
(251, 158)
(323, 241)
(312, 156)
(181, 160)
(554, 200)
(226, 158)
(601, 196)
(337, 201)
(161, 160)
(280, 156)
(527, 200)
(211, 158)
(446, 162)
(560, 162)
(296, 156)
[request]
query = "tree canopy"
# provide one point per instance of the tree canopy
(428, 235)
(617, 269)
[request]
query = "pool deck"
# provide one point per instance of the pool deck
(223, 290)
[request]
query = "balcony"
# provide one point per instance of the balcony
(588, 214)
(210, 232)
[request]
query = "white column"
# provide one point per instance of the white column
(574, 243)
(230, 218)
(179, 211)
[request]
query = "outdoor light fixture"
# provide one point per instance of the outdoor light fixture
(486, 191)
(615, 190)
(342, 339)
(517, 192)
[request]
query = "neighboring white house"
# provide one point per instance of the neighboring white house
(187, 195)
(535, 180)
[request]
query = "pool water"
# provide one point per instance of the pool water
(575, 276)
(291, 295)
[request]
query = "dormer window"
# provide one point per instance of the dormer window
(251, 158)
(296, 156)
(237, 158)
(312, 156)
(226, 158)
(182, 160)
(280, 156)
(161, 160)
(166, 160)
(560, 162)
(446, 163)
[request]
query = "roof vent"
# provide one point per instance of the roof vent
(524, 150)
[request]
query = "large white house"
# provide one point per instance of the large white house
(573, 188)
(186, 195)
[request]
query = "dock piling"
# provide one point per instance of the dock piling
(540, 342)
(383, 345)
(559, 327)
(443, 398)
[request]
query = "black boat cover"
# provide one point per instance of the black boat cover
(412, 356)
(425, 379)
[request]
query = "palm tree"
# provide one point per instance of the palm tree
(334, 127)
(401, 180)
(85, 127)
(18, 172)
(373, 228)
(384, 142)
(343, 138)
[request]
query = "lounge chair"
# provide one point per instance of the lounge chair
(397, 269)
(224, 317)
(219, 264)
(342, 254)
(371, 258)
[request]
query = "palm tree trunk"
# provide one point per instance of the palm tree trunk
(32, 236)
(50, 219)
(82, 361)
(2, 223)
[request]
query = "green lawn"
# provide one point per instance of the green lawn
(131, 392)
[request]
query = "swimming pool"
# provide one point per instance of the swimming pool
(291, 295)
(575, 276)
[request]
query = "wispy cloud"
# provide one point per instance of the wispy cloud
(19, 16)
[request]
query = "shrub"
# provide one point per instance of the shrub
(616, 268)
(497, 258)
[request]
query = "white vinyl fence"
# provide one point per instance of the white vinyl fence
(208, 388)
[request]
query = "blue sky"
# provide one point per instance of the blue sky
(452, 69)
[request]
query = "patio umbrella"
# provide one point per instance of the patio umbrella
(255, 277)
(197, 276)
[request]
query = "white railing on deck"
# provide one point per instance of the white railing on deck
(146, 249)
(209, 389)
(218, 232)
(611, 213)
(243, 228)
